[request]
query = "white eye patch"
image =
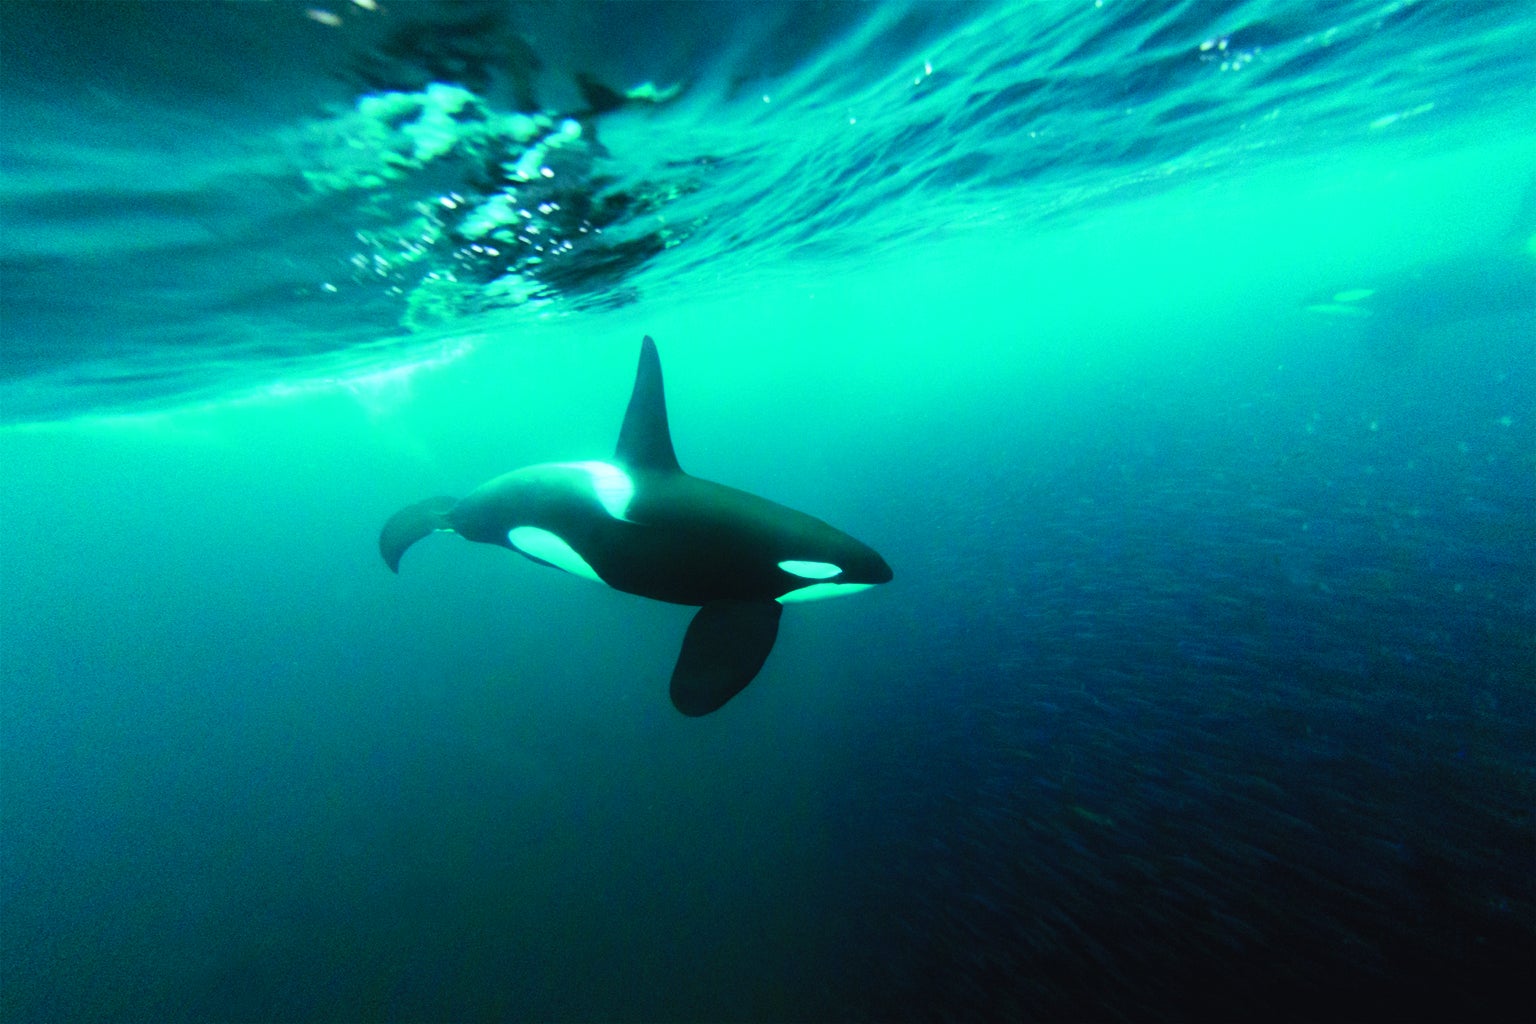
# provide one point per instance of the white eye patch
(811, 570)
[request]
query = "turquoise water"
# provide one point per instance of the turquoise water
(1178, 358)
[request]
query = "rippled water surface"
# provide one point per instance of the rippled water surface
(201, 199)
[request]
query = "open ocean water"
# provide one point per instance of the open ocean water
(1179, 357)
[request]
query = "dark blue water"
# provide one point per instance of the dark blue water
(1180, 359)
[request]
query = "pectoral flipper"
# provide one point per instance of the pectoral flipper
(726, 645)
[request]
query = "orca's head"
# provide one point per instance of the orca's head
(839, 565)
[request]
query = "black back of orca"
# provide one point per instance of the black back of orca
(672, 537)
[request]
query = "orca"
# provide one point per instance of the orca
(639, 524)
(1394, 311)
(1496, 279)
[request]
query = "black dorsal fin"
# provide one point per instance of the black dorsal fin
(645, 442)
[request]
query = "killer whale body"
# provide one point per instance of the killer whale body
(642, 525)
(1394, 312)
(1497, 279)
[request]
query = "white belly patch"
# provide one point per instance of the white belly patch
(548, 547)
(822, 591)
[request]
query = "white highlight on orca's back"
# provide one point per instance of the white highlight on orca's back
(548, 547)
(613, 487)
(811, 570)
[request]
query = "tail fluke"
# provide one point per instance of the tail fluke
(412, 523)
